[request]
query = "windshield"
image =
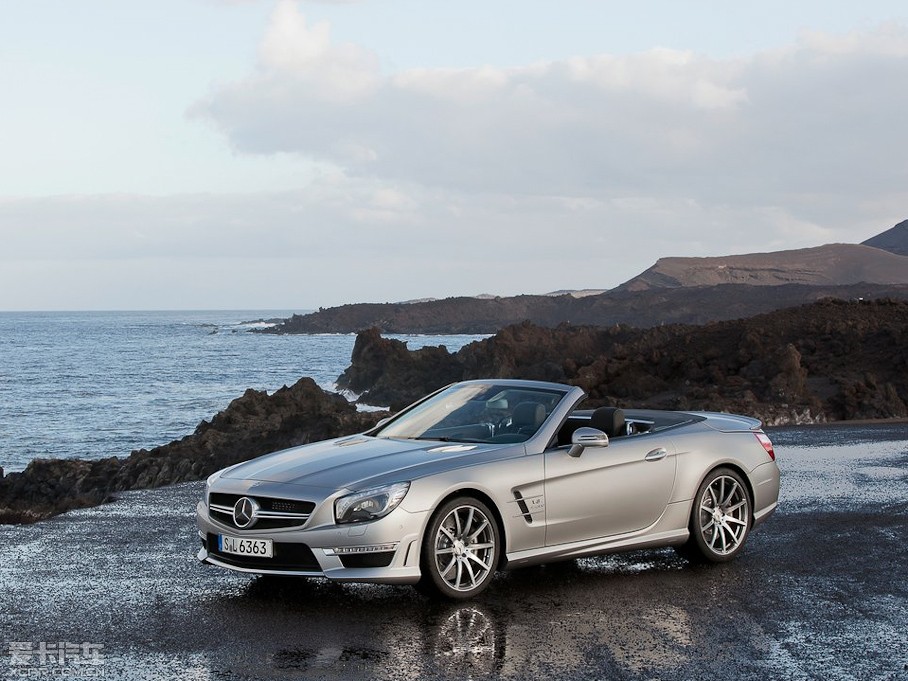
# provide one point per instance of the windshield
(476, 412)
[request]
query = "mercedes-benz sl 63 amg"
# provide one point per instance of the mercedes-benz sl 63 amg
(491, 475)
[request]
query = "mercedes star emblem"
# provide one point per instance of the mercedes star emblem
(245, 512)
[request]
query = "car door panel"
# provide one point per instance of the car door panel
(607, 491)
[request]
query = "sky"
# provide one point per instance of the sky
(283, 154)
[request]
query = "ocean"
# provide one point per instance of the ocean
(96, 384)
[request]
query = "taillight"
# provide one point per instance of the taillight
(767, 444)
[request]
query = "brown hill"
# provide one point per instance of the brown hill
(833, 264)
(674, 290)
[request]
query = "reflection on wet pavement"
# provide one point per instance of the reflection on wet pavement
(818, 593)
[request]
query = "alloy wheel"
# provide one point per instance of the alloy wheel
(464, 548)
(724, 515)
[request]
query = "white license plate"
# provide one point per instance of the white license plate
(259, 548)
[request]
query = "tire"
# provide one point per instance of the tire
(460, 550)
(720, 519)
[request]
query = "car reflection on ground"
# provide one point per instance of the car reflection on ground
(603, 612)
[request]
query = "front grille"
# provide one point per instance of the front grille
(289, 506)
(287, 556)
(273, 513)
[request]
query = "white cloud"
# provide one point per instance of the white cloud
(671, 77)
(577, 173)
(303, 56)
(796, 127)
(886, 41)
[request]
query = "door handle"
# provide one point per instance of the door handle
(656, 454)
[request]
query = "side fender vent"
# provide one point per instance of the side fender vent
(522, 505)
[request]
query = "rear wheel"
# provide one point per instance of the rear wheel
(720, 519)
(460, 549)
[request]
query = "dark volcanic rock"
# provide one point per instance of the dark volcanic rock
(830, 360)
(254, 424)
(451, 315)
(387, 374)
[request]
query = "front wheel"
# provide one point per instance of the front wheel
(460, 550)
(720, 519)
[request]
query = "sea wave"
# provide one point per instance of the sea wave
(254, 325)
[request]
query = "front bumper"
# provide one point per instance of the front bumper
(383, 551)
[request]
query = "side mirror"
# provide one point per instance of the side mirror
(586, 437)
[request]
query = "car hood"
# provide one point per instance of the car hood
(352, 462)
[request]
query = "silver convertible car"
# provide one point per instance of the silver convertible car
(489, 475)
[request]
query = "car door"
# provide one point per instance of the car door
(607, 491)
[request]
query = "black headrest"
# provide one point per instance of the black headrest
(610, 420)
(529, 414)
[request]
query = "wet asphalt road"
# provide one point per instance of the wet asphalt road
(819, 593)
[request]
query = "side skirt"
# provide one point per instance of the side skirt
(669, 530)
(595, 547)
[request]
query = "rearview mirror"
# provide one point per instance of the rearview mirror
(586, 437)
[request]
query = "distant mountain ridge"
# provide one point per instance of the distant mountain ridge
(674, 290)
(642, 309)
(829, 265)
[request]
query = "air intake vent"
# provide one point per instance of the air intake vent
(522, 505)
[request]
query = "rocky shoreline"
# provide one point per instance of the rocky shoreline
(254, 424)
(828, 361)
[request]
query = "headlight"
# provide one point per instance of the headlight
(369, 504)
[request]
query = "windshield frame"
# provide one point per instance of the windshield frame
(483, 412)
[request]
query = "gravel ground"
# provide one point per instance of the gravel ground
(819, 593)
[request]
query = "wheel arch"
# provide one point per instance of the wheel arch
(737, 468)
(492, 506)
